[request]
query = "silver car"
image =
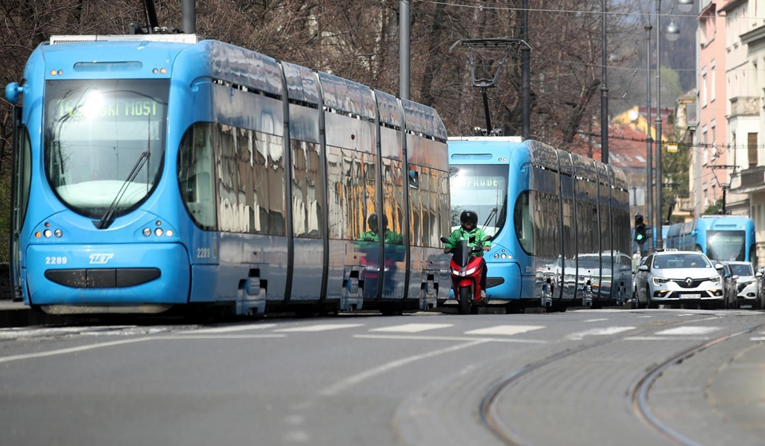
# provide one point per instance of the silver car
(679, 277)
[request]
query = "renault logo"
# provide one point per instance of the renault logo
(688, 281)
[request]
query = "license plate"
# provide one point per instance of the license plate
(690, 296)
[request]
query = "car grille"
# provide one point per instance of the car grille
(684, 284)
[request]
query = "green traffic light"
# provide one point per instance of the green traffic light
(640, 237)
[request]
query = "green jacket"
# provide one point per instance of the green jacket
(391, 238)
(461, 234)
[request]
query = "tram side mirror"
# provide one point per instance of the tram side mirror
(719, 267)
(444, 239)
(643, 268)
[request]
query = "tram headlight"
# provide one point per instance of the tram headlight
(169, 233)
(47, 233)
(158, 232)
(58, 233)
(146, 232)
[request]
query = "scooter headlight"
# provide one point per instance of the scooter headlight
(470, 271)
(456, 272)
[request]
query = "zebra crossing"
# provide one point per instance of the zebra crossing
(411, 331)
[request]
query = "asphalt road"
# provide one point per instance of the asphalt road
(582, 377)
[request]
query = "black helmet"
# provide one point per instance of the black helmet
(468, 216)
(372, 221)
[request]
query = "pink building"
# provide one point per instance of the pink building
(708, 174)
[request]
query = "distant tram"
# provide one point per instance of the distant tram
(560, 222)
(720, 237)
(156, 171)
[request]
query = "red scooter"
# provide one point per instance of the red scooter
(466, 276)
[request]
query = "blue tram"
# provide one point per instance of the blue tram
(720, 237)
(560, 221)
(157, 171)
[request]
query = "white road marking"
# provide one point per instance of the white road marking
(213, 336)
(759, 338)
(315, 328)
(598, 332)
(412, 328)
(113, 330)
(355, 379)
(645, 316)
(688, 330)
(595, 320)
(229, 329)
(505, 330)
(667, 338)
(72, 349)
(450, 338)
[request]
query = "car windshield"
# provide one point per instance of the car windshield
(677, 261)
(742, 270)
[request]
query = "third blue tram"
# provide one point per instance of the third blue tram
(156, 171)
(560, 221)
(720, 237)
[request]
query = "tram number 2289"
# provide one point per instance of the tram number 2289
(203, 253)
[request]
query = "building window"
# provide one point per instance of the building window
(714, 81)
(751, 142)
(704, 90)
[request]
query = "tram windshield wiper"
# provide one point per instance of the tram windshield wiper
(107, 219)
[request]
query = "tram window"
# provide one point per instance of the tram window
(306, 190)
(336, 202)
(414, 179)
(24, 172)
(225, 163)
(260, 186)
(367, 190)
(415, 209)
(245, 149)
(523, 224)
(276, 180)
(195, 174)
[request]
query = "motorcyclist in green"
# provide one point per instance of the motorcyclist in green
(391, 238)
(475, 237)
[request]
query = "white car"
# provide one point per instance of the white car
(679, 277)
(747, 289)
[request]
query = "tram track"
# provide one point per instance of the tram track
(487, 407)
(640, 394)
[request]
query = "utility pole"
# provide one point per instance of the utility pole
(604, 91)
(403, 39)
(649, 140)
(525, 75)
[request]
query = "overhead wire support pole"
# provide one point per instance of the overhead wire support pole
(525, 75)
(659, 180)
(649, 140)
(404, 36)
(604, 91)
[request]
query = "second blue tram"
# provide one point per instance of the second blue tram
(720, 237)
(156, 171)
(560, 221)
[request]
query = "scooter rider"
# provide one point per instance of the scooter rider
(475, 237)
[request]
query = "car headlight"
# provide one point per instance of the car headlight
(716, 279)
(659, 281)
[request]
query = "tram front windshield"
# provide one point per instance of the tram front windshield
(726, 245)
(481, 188)
(100, 133)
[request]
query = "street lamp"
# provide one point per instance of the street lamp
(673, 32)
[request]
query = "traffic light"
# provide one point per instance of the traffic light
(640, 229)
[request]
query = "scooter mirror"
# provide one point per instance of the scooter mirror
(444, 239)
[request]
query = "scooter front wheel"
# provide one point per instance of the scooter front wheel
(464, 300)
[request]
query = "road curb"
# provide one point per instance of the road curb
(16, 314)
